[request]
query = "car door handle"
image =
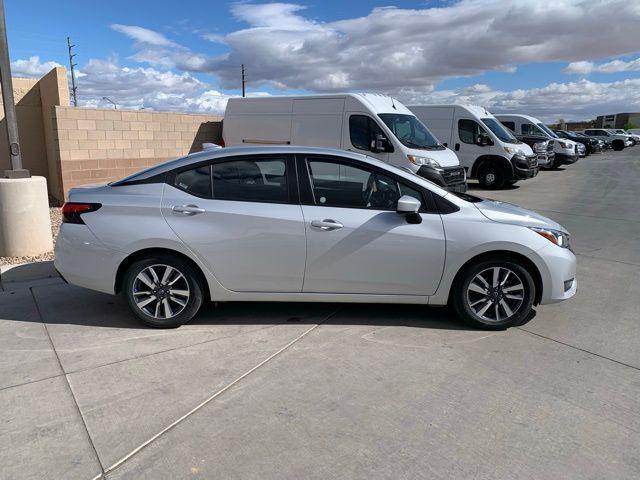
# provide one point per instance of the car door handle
(188, 209)
(326, 224)
(457, 147)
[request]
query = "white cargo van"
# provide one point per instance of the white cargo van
(376, 125)
(485, 148)
(566, 150)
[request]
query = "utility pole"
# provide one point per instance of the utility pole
(244, 83)
(73, 73)
(9, 107)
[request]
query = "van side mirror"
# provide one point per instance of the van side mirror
(379, 144)
(409, 207)
(483, 140)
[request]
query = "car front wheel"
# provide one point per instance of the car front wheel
(494, 294)
(490, 175)
(163, 291)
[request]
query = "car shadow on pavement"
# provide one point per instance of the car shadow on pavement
(66, 304)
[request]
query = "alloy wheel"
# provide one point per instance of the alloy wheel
(495, 294)
(161, 291)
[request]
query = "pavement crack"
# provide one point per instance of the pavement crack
(578, 348)
(66, 380)
(212, 397)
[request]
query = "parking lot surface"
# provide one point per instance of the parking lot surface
(272, 391)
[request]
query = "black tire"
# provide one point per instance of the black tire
(491, 175)
(189, 282)
(462, 298)
(618, 145)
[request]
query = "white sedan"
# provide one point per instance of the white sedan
(307, 224)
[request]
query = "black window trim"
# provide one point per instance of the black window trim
(427, 203)
(290, 166)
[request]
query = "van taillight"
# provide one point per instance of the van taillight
(71, 211)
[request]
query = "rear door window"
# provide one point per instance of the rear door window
(251, 180)
(196, 181)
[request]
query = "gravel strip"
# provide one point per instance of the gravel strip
(56, 220)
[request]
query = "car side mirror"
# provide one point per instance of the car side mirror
(379, 144)
(409, 207)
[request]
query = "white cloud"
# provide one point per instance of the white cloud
(32, 67)
(613, 66)
(143, 35)
(572, 100)
(392, 47)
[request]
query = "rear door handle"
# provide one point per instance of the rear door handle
(326, 224)
(188, 209)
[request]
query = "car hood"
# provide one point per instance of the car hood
(503, 212)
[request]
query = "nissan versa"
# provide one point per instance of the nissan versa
(307, 224)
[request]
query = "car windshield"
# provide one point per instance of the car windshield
(499, 130)
(410, 131)
(547, 130)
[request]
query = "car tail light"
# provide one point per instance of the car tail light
(71, 211)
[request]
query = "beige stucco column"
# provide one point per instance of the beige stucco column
(25, 224)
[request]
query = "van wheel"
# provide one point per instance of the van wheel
(494, 294)
(162, 291)
(618, 145)
(490, 175)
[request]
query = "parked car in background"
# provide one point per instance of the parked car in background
(589, 145)
(307, 224)
(542, 147)
(487, 150)
(596, 145)
(617, 141)
(633, 131)
(566, 150)
(372, 124)
(634, 138)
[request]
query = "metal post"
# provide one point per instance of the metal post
(9, 108)
(244, 83)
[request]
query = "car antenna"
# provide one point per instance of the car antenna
(393, 104)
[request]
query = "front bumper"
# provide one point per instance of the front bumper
(558, 275)
(453, 179)
(567, 158)
(524, 167)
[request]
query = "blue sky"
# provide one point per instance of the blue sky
(553, 59)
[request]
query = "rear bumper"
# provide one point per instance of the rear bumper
(82, 260)
(453, 179)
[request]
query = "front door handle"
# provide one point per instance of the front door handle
(327, 224)
(457, 147)
(188, 209)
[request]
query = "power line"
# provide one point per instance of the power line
(73, 73)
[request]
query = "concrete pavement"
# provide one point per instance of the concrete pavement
(353, 391)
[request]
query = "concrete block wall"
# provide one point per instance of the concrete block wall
(102, 145)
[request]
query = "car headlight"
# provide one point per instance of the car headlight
(564, 144)
(556, 237)
(416, 160)
(512, 151)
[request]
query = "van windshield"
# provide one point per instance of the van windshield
(410, 131)
(546, 130)
(499, 130)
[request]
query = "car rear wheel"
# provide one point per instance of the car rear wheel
(163, 291)
(494, 294)
(491, 175)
